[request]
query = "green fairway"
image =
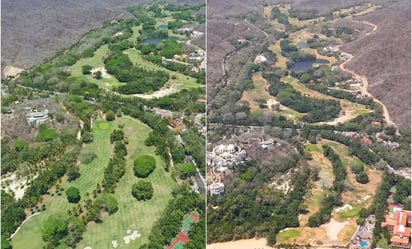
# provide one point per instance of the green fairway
(313, 148)
(182, 81)
(30, 234)
(286, 235)
(350, 213)
(96, 61)
(132, 214)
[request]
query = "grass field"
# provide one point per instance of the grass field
(259, 91)
(281, 60)
(350, 213)
(313, 148)
(182, 80)
(95, 61)
(287, 235)
(132, 214)
(30, 234)
(320, 187)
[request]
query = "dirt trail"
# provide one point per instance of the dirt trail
(364, 89)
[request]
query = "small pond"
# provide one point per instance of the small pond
(163, 26)
(302, 66)
(302, 45)
(154, 41)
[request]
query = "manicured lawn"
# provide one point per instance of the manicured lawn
(287, 235)
(182, 80)
(132, 214)
(313, 148)
(350, 213)
(30, 234)
(95, 61)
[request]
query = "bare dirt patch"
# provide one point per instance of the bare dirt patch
(105, 74)
(240, 244)
(12, 71)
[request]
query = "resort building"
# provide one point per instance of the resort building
(217, 188)
(36, 117)
(398, 222)
(260, 59)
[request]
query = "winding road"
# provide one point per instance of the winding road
(364, 89)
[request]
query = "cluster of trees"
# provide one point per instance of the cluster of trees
(116, 167)
(334, 198)
(252, 209)
(282, 18)
(73, 195)
(160, 136)
(317, 109)
(144, 166)
(355, 147)
(396, 157)
(137, 79)
(13, 215)
(379, 205)
(195, 146)
(361, 175)
(340, 94)
(165, 143)
(304, 14)
(142, 190)
(45, 134)
(344, 33)
(184, 100)
(167, 226)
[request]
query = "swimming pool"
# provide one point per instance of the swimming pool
(363, 244)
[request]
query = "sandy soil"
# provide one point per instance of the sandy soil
(158, 94)
(364, 89)
(103, 70)
(241, 244)
(115, 244)
(131, 237)
(333, 228)
(12, 70)
(15, 185)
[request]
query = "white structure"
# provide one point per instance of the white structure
(226, 155)
(217, 188)
(37, 117)
(260, 59)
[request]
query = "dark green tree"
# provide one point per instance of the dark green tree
(142, 190)
(73, 195)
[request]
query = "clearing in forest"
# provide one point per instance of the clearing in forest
(260, 95)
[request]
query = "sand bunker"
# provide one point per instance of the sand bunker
(158, 94)
(11, 70)
(87, 247)
(132, 236)
(333, 228)
(344, 208)
(103, 70)
(240, 244)
(114, 243)
(16, 185)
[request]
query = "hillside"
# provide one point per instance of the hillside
(34, 31)
(386, 62)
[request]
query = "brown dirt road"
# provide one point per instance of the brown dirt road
(364, 89)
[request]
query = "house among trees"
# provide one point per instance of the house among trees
(217, 188)
(37, 117)
(398, 222)
(177, 125)
(260, 59)
(163, 113)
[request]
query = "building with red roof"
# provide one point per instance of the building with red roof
(398, 222)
